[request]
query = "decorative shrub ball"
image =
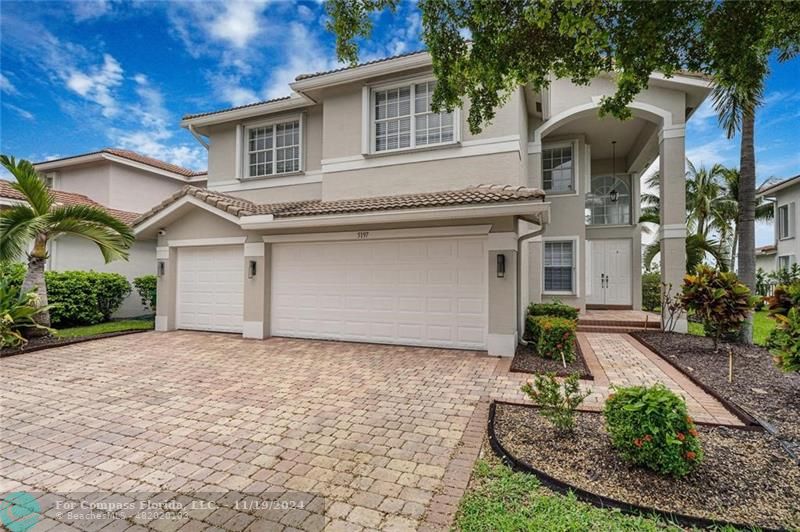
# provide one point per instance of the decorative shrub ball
(552, 336)
(650, 426)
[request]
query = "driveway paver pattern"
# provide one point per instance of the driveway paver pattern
(344, 436)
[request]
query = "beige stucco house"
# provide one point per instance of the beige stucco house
(126, 184)
(785, 195)
(350, 211)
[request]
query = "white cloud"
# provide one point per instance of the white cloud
(239, 23)
(304, 54)
(98, 83)
(719, 150)
(90, 9)
(7, 87)
(20, 111)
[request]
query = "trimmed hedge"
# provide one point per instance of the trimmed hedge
(84, 298)
(552, 336)
(147, 286)
(651, 290)
(553, 309)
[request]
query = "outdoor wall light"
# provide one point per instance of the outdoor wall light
(161, 268)
(614, 196)
(501, 266)
(251, 269)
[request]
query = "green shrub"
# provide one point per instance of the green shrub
(784, 341)
(650, 426)
(13, 273)
(556, 405)
(553, 309)
(718, 299)
(651, 290)
(146, 286)
(552, 337)
(17, 310)
(84, 298)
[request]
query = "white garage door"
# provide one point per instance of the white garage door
(429, 292)
(210, 288)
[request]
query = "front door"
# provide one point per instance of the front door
(609, 271)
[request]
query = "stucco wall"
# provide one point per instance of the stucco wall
(91, 180)
(71, 253)
(789, 246)
(137, 190)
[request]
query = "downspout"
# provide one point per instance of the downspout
(518, 299)
(197, 136)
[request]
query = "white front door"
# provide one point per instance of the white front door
(428, 291)
(609, 271)
(210, 288)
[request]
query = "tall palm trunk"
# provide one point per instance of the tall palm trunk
(746, 227)
(34, 278)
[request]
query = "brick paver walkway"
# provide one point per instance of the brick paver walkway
(343, 436)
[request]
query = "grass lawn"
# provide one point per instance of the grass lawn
(105, 328)
(762, 326)
(501, 500)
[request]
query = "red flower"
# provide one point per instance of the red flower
(559, 346)
(637, 442)
(693, 432)
(647, 437)
(690, 455)
(681, 436)
(566, 335)
(689, 420)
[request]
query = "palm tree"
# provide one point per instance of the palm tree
(726, 220)
(28, 227)
(704, 201)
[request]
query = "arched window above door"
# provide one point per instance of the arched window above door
(609, 201)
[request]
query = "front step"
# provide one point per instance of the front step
(616, 329)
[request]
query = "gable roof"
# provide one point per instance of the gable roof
(129, 155)
(477, 195)
(68, 198)
(774, 186)
(236, 108)
(358, 65)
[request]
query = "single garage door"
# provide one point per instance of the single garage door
(428, 292)
(210, 288)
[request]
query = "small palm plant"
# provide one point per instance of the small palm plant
(27, 228)
(17, 309)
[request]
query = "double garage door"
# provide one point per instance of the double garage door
(427, 292)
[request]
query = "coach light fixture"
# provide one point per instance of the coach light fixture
(251, 269)
(501, 266)
(161, 268)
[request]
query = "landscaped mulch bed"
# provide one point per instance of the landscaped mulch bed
(46, 342)
(746, 477)
(527, 361)
(758, 387)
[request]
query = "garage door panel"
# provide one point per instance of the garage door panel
(418, 292)
(210, 288)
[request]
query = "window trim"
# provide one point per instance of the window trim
(243, 135)
(368, 109)
(629, 184)
(576, 262)
(789, 262)
(790, 214)
(574, 144)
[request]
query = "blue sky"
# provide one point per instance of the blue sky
(76, 76)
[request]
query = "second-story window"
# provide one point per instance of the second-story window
(558, 175)
(402, 118)
(273, 149)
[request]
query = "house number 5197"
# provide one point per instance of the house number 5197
(361, 235)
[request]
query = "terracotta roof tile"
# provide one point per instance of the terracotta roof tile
(349, 67)
(137, 157)
(69, 198)
(208, 113)
(477, 195)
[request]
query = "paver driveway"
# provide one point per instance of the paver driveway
(370, 436)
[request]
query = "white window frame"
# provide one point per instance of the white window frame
(575, 166)
(787, 232)
(790, 260)
(575, 265)
(628, 184)
(368, 109)
(243, 141)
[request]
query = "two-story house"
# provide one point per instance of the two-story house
(126, 184)
(351, 211)
(785, 195)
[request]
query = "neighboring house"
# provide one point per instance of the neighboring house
(786, 197)
(351, 211)
(765, 258)
(124, 183)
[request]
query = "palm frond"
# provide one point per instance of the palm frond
(650, 253)
(28, 183)
(113, 237)
(18, 226)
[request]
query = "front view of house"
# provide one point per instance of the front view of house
(351, 211)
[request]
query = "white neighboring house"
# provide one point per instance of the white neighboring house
(786, 197)
(124, 183)
(765, 258)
